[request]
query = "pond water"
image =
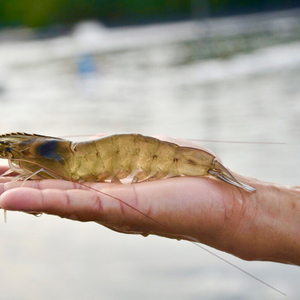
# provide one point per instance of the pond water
(235, 79)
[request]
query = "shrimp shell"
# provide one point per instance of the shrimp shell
(121, 157)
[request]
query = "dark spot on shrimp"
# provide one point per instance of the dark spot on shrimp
(192, 162)
(175, 159)
(155, 156)
(48, 150)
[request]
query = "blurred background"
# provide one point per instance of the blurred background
(199, 69)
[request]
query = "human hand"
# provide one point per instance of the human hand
(259, 226)
(199, 209)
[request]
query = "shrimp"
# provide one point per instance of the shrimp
(122, 157)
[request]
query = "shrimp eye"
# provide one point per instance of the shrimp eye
(8, 150)
(48, 150)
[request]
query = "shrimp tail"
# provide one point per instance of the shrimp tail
(222, 173)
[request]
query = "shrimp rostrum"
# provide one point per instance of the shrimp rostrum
(121, 157)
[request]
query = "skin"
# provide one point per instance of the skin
(258, 226)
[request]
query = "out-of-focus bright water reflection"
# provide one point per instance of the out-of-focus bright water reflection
(237, 79)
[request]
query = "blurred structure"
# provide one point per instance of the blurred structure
(115, 12)
(87, 37)
(86, 65)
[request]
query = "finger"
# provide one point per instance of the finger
(52, 184)
(83, 205)
(3, 169)
(5, 179)
(73, 204)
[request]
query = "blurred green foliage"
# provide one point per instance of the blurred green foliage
(37, 13)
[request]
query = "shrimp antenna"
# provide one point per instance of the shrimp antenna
(193, 140)
(239, 142)
(240, 269)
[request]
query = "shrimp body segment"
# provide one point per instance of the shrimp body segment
(120, 157)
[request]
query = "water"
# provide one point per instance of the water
(237, 79)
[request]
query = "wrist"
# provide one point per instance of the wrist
(274, 228)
